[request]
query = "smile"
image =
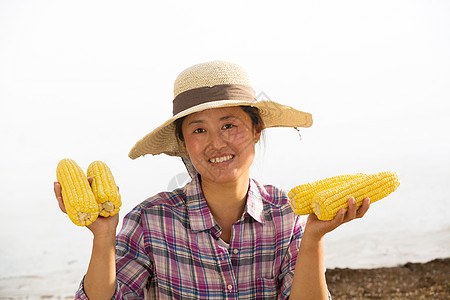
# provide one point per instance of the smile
(220, 159)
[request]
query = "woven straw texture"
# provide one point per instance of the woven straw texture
(210, 74)
(163, 139)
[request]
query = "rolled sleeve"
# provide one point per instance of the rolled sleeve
(82, 295)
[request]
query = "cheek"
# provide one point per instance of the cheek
(192, 146)
(242, 137)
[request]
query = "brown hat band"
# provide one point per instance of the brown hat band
(201, 95)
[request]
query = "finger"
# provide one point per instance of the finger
(62, 206)
(319, 228)
(364, 208)
(338, 220)
(57, 190)
(351, 211)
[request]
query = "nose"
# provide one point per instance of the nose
(216, 140)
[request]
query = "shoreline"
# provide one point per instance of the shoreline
(429, 280)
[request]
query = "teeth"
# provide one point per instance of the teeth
(221, 159)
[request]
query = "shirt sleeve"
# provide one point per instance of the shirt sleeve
(81, 295)
(133, 265)
(288, 265)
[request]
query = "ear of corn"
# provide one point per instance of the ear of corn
(104, 188)
(301, 196)
(78, 198)
(326, 204)
(326, 197)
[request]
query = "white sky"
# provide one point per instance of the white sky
(87, 79)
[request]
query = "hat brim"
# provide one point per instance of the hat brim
(163, 138)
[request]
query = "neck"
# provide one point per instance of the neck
(226, 200)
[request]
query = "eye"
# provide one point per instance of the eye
(228, 126)
(199, 130)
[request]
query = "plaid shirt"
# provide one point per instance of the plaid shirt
(170, 248)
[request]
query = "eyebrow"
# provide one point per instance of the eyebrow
(224, 118)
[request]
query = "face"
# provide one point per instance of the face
(221, 143)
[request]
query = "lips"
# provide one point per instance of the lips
(220, 159)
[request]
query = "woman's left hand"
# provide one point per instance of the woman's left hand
(316, 228)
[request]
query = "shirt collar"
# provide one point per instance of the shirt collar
(254, 207)
(200, 217)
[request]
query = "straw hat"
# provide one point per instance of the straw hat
(208, 85)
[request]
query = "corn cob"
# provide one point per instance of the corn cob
(105, 189)
(327, 203)
(78, 198)
(301, 196)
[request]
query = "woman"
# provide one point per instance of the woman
(223, 235)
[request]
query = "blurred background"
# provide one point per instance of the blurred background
(87, 79)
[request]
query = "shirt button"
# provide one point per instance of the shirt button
(236, 251)
(230, 287)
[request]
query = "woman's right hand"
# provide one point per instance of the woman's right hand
(101, 226)
(100, 279)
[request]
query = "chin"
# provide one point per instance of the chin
(222, 176)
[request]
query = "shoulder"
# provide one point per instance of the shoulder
(175, 198)
(159, 205)
(277, 209)
(271, 194)
(275, 201)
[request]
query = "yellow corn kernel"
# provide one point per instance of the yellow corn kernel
(301, 196)
(326, 204)
(78, 198)
(104, 188)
